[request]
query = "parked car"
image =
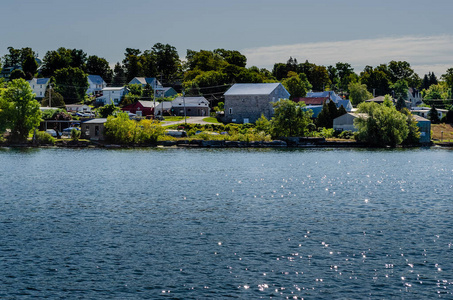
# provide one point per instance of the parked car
(53, 133)
(176, 133)
(67, 131)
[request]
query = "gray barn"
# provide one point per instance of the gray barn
(246, 102)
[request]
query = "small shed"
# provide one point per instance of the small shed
(94, 129)
(425, 129)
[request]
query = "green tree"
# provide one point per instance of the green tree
(323, 119)
(108, 110)
(62, 58)
(290, 119)
(413, 137)
(381, 125)
(56, 99)
(358, 93)
(297, 85)
(99, 66)
(167, 62)
(400, 89)
(16, 74)
(400, 70)
(263, 124)
(433, 115)
(29, 66)
(376, 80)
(132, 64)
(72, 84)
(388, 101)
(119, 77)
(19, 111)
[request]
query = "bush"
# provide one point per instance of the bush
(75, 134)
(44, 138)
(347, 134)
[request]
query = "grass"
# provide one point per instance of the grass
(174, 118)
(437, 129)
(211, 120)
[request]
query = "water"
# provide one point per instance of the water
(199, 224)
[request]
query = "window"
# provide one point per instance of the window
(96, 130)
(230, 110)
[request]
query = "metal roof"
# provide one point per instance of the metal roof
(252, 89)
(96, 79)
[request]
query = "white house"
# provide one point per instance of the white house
(39, 86)
(112, 95)
(96, 84)
(423, 112)
(193, 106)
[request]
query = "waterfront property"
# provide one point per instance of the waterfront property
(425, 129)
(346, 122)
(94, 129)
(246, 102)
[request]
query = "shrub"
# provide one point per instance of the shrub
(44, 138)
(75, 134)
(347, 134)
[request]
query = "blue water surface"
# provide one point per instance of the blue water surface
(214, 224)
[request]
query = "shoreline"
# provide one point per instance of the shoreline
(186, 143)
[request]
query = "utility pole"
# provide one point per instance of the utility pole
(50, 94)
(184, 100)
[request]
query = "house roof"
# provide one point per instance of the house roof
(96, 121)
(146, 80)
(345, 103)
(420, 119)
(96, 79)
(146, 103)
(312, 100)
(252, 89)
(329, 94)
(42, 80)
(190, 101)
(316, 109)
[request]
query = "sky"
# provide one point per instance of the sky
(358, 32)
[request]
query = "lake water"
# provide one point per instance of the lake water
(212, 224)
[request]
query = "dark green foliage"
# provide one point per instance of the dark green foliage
(72, 84)
(16, 74)
(99, 66)
(75, 134)
(56, 99)
(433, 116)
(108, 110)
(63, 58)
(341, 111)
(289, 119)
(413, 137)
(44, 138)
(119, 77)
(382, 126)
(29, 66)
(400, 104)
(323, 119)
(347, 134)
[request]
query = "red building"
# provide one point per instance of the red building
(143, 108)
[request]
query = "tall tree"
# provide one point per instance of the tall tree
(376, 80)
(99, 66)
(132, 64)
(19, 111)
(290, 119)
(358, 93)
(72, 84)
(167, 62)
(297, 85)
(29, 66)
(119, 75)
(400, 70)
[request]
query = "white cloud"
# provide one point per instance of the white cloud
(425, 54)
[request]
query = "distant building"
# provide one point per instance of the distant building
(423, 112)
(424, 126)
(94, 129)
(39, 86)
(165, 92)
(112, 95)
(193, 106)
(140, 108)
(346, 121)
(95, 85)
(319, 98)
(246, 102)
(152, 81)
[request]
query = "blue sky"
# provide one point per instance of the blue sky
(359, 32)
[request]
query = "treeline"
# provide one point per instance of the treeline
(210, 73)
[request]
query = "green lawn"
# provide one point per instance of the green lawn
(211, 120)
(174, 118)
